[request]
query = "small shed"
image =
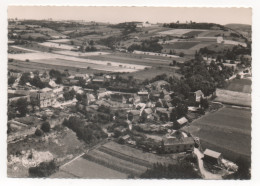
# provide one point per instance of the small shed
(212, 157)
(182, 121)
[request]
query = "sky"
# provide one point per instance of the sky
(122, 14)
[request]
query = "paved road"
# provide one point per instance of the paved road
(205, 174)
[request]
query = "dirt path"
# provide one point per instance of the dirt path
(205, 174)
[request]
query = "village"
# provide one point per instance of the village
(146, 120)
(128, 99)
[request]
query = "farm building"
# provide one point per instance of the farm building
(163, 113)
(118, 98)
(15, 97)
(81, 76)
(144, 96)
(133, 115)
(196, 96)
(213, 157)
(159, 85)
(181, 122)
(174, 145)
(43, 99)
(98, 79)
(15, 74)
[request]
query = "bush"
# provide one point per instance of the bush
(44, 169)
(46, 127)
(121, 141)
(44, 117)
(38, 132)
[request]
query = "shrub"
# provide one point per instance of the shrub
(44, 117)
(44, 169)
(38, 132)
(46, 127)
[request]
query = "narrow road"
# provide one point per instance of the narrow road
(205, 174)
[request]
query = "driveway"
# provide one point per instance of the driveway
(205, 174)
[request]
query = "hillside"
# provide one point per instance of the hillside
(241, 27)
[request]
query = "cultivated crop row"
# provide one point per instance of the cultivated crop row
(115, 163)
(125, 157)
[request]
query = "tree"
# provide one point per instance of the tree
(44, 169)
(36, 81)
(79, 97)
(46, 127)
(44, 117)
(58, 80)
(38, 132)
(11, 80)
(181, 109)
(24, 78)
(204, 103)
(21, 106)
(69, 95)
(243, 172)
(173, 115)
(181, 54)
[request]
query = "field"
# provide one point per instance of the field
(57, 45)
(27, 67)
(240, 85)
(33, 35)
(134, 59)
(181, 45)
(193, 33)
(79, 54)
(64, 60)
(152, 72)
(179, 32)
(227, 130)
(83, 168)
(111, 160)
(233, 98)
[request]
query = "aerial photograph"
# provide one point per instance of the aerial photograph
(129, 92)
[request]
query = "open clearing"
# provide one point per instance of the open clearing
(227, 130)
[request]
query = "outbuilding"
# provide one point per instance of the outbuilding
(212, 157)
